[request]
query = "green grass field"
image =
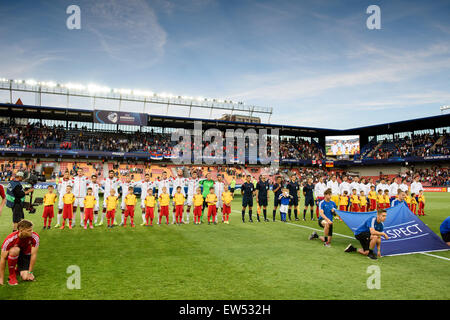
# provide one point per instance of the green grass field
(271, 260)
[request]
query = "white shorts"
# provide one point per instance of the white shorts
(60, 202)
(219, 204)
(284, 208)
(190, 200)
(79, 203)
(96, 207)
(122, 204)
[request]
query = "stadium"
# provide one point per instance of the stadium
(198, 157)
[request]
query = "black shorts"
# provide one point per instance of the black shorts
(364, 239)
(232, 190)
(294, 201)
(309, 202)
(17, 211)
(330, 229)
(247, 202)
(446, 236)
(23, 262)
(276, 201)
(262, 202)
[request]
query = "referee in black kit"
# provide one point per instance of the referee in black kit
(247, 190)
(308, 192)
(293, 187)
(262, 195)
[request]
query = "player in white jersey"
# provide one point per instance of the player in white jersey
(108, 184)
(355, 185)
(219, 188)
(62, 186)
(79, 191)
(319, 189)
(382, 185)
(344, 186)
(365, 186)
(163, 182)
(145, 185)
(334, 186)
(403, 186)
(95, 189)
(192, 184)
(416, 187)
(179, 181)
(393, 190)
(125, 185)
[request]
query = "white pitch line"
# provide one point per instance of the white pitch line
(345, 236)
(433, 255)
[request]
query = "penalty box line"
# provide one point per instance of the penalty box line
(353, 238)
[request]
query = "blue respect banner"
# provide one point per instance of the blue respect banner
(407, 233)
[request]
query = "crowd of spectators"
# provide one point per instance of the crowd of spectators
(414, 146)
(300, 149)
(38, 136)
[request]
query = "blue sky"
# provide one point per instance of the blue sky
(315, 62)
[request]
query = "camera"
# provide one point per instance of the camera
(30, 179)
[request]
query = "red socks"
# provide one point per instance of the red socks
(12, 262)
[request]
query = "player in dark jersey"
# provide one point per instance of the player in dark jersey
(277, 189)
(247, 190)
(19, 251)
(308, 189)
(262, 195)
(293, 186)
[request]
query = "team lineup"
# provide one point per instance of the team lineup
(211, 196)
(19, 249)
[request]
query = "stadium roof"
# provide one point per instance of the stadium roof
(82, 115)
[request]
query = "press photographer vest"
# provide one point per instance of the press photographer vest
(9, 193)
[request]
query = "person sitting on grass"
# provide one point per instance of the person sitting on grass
(19, 251)
(369, 234)
(327, 209)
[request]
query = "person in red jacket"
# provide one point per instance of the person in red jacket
(19, 251)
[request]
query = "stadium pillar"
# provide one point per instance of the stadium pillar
(322, 141)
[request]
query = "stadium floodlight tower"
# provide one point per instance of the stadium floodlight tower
(147, 98)
(444, 108)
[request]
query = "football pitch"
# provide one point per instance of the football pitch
(251, 261)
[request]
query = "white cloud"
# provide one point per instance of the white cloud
(385, 67)
(128, 31)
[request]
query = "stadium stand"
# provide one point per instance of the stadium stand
(68, 139)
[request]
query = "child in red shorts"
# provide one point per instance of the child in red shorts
(198, 205)
(111, 205)
(150, 202)
(49, 201)
(164, 200)
(130, 203)
(68, 200)
(211, 200)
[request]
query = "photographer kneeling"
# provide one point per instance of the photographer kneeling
(15, 196)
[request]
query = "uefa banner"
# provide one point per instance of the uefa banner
(118, 117)
(407, 233)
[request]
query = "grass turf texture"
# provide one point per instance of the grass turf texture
(264, 260)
